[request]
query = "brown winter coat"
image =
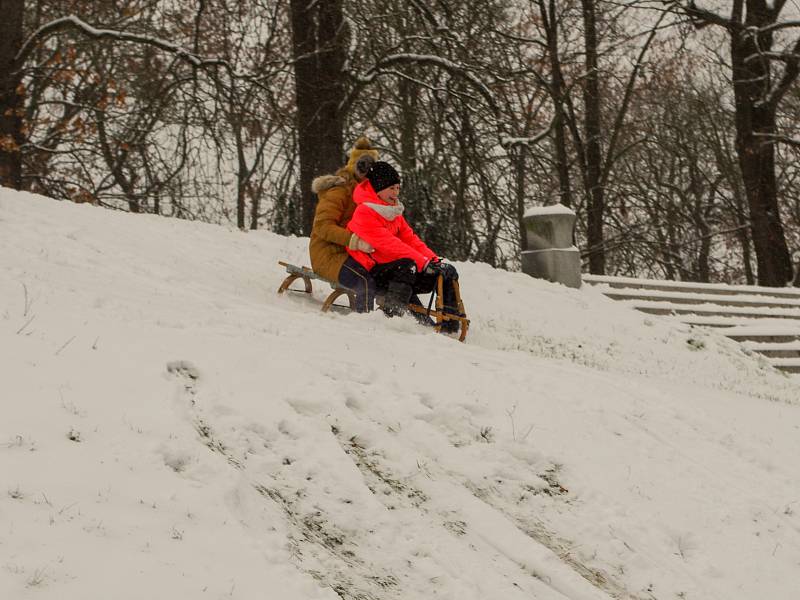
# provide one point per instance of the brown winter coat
(329, 236)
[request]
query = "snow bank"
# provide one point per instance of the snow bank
(166, 415)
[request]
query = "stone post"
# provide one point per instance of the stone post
(551, 255)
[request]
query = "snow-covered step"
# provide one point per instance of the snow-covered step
(789, 365)
(740, 300)
(762, 335)
(763, 319)
(714, 310)
(706, 321)
(690, 287)
(775, 349)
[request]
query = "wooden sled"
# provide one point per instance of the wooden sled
(439, 315)
(306, 274)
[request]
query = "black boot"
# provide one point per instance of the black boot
(450, 308)
(451, 325)
(395, 301)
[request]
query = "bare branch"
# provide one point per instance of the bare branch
(509, 142)
(617, 128)
(790, 74)
(74, 23)
(779, 26)
(436, 61)
(702, 17)
(774, 137)
(428, 14)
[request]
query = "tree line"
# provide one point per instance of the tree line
(669, 126)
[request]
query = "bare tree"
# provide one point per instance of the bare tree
(11, 93)
(597, 141)
(319, 57)
(761, 76)
(551, 24)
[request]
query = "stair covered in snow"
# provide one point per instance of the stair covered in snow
(765, 320)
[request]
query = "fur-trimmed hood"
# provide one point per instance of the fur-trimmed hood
(326, 182)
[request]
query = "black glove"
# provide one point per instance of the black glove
(433, 267)
(448, 271)
(437, 267)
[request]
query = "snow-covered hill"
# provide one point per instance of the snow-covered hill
(172, 428)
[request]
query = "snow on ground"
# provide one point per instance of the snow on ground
(170, 427)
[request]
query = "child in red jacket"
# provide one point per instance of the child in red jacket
(401, 264)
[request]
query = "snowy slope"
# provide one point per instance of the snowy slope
(171, 428)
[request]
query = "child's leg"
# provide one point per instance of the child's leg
(425, 283)
(352, 275)
(395, 280)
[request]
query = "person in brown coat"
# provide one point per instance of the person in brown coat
(329, 237)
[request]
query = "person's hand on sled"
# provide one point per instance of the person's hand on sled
(438, 267)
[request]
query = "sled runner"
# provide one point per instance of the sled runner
(439, 315)
(306, 274)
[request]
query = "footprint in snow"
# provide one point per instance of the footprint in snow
(183, 368)
(307, 407)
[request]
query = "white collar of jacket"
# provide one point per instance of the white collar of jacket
(388, 211)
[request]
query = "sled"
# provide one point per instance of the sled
(440, 315)
(307, 275)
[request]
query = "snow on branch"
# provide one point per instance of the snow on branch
(777, 26)
(773, 137)
(509, 142)
(75, 23)
(790, 73)
(437, 61)
(779, 56)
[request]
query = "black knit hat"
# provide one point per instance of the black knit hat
(382, 175)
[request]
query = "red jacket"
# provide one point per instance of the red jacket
(389, 234)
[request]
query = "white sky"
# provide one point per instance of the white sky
(570, 449)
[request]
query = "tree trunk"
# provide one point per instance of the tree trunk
(408, 93)
(11, 94)
(754, 115)
(734, 180)
(241, 205)
(758, 172)
(116, 164)
(242, 172)
(520, 194)
(595, 198)
(319, 53)
(703, 273)
(744, 240)
(757, 162)
(562, 162)
(255, 207)
(461, 215)
(557, 93)
(413, 194)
